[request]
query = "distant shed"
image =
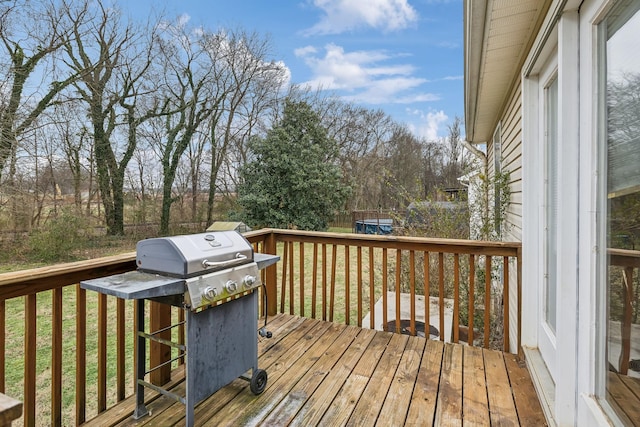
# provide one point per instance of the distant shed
(240, 227)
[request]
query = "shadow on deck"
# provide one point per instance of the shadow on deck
(323, 373)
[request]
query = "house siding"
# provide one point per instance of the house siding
(511, 160)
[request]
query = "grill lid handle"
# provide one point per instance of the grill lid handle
(208, 264)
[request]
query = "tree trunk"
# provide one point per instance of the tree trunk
(167, 201)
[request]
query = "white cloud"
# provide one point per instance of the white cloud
(304, 51)
(339, 69)
(364, 76)
(183, 20)
(418, 97)
(286, 73)
(348, 15)
(429, 124)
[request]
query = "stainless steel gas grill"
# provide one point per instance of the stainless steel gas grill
(214, 278)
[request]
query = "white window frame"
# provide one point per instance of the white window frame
(560, 29)
(592, 363)
(572, 26)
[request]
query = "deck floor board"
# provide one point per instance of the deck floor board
(320, 373)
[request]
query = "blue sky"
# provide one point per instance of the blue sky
(402, 56)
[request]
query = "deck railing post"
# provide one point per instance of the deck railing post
(519, 290)
(160, 318)
(271, 275)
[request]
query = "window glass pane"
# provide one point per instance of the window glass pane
(623, 207)
(551, 131)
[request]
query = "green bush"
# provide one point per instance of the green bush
(60, 238)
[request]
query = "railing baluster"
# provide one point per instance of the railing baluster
(324, 281)
(412, 292)
(291, 295)
(456, 297)
(347, 296)
(159, 354)
(3, 340)
(427, 296)
(334, 251)
(81, 355)
(301, 263)
(283, 292)
(181, 320)
(270, 246)
(505, 299)
(487, 300)
(472, 298)
(385, 287)
(359, 251)
(372, 290)
(398, 288)
(30, 354)
(56, 357)
(314, 281)
(627, 313)
(441, 294)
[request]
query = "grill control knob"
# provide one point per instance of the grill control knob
(249, 281)
(231, 286)
(209, 293)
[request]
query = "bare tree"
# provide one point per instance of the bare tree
(48, 31)
(404, 160)
(247, 85)
(190, 93)
(72, 140)
(112, 58)
(457, 159)
(363, 136)
(433, 160)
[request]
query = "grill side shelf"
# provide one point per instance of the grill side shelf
(265, 260)
(136, 285)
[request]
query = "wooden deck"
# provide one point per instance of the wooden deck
(624, 395)
(322, 373)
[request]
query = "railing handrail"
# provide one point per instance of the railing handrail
(483, 247)
(26, 282)
(56, 275)
(624, 257)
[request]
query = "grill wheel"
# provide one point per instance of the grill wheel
(258, 381)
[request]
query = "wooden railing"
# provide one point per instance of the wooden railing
(82, 344)
(51, 299)
(340, 278)
(627, 261)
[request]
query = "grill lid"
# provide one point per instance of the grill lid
(193, 254)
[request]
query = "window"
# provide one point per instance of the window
(551, 201)
(621, 150)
